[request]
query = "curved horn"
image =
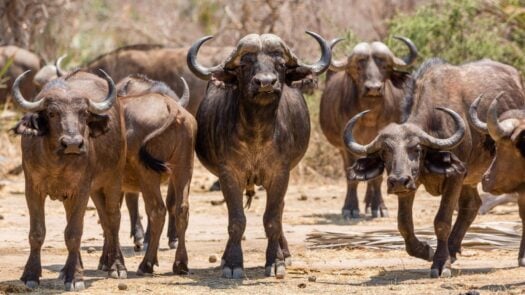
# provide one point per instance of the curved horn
(107, 103)
(496, 129)
(337, 65)
(197, 69)
(185, 98)
(60, 71)
(474, 120)
(446, 143)
(326, 55)
(412, 55)
(352, 145)
(28, 106)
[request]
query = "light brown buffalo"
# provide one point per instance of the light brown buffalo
(73, 146)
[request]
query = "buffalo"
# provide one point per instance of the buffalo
(430, 149)
(506, 174)
(73, 146)
(160, 141)
(253, 128)
(372, 78)
(18, 61)
(155, 61)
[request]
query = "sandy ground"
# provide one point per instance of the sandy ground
(359, 271)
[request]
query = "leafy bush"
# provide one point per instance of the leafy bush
(465, 30)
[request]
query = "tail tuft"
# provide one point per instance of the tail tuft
(152, 163)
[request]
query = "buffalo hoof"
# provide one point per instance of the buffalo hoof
(521, 262)
(145, 269)
(236, 273)
(350, 214)
(74, 286)
(278, 269)
(173, 244)
(288, 261)
(380, 213)
(32, 284)
(118, 274)
(138, 244)
(445, 273)
(180, 268)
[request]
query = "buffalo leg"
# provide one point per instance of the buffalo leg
(521, 205)
(232, 189)
(286, 251)
(37, 234)
(137, 231)
(107, 202)
(374, 198)
(442, 224)
(172, 229)
(178, 192)
(351, 205)
(272, 219)
(156, 212)
(72, 273)
(405, 224)
(468, 206)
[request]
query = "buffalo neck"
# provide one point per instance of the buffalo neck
(257, 120)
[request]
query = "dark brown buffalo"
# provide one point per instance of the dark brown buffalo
(73, 146)
(370, 78)
(155, 61)
(161, 140)
(432, 150)
(252, 129)
(506, 173)
(22, 60)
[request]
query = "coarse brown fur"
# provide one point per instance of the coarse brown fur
(95, 170)
(454, 173)
(345, 95)
(253, 128)
(161, 140)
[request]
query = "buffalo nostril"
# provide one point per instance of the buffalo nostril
(266, 80)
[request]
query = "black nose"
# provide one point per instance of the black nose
(72, 144)
(400, 183)
(265, 80)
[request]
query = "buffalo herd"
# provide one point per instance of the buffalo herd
(241, 110)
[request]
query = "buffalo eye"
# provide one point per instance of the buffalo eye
(247, 59)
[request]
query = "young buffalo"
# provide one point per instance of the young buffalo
(161, 141)
(430, 149)
(73, 146)
(253, 128)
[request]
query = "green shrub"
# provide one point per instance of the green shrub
(460, 31)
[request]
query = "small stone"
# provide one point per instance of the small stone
(472, 292)
(302, 285)
(91, 250)
(312, 279)
(334, 197)
(212, 258)
(1, 217)
(317, 198)
(303, 198)
(122, 286)
(244, 238)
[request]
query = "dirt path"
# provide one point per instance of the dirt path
(362, 271)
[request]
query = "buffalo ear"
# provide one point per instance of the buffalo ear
(98, 124)
(220, 78)
(366, 168)
(399, 78)
(31, 124)
(296, 74)
(519, 141)
(443, 162)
